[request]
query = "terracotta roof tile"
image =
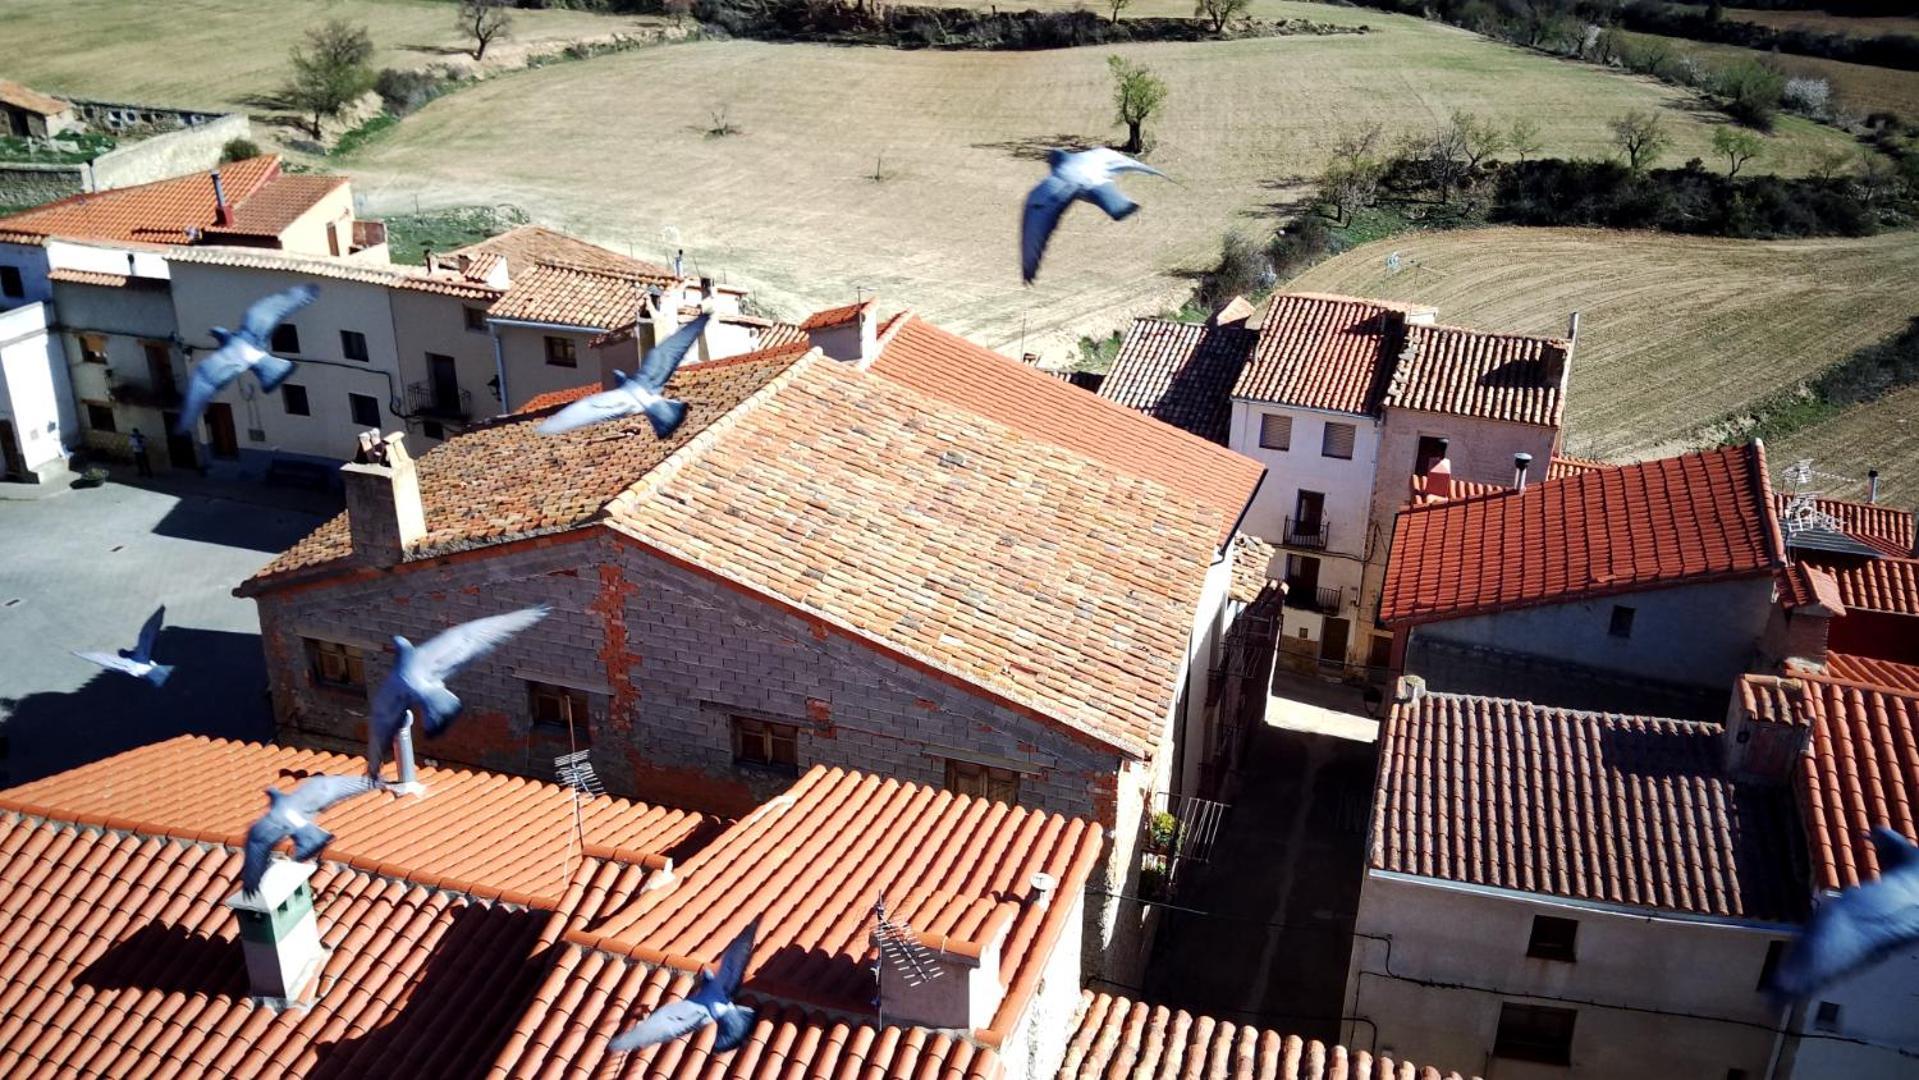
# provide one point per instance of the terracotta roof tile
(572, 296)
(1886, 529)
(811, 863)
(1510, 377)
(528, 245)
(443, 283)
(1803, 584)
(1181, 374)
(1562, 466)
(952, 539)
(1862, 771)
(1115, 1038)
(1323, 352)
(174, 211)
(780, 334)
(165, 789)
(89, 277)
(1620, 809)
(948, 367)
(1884, 585)
(846, 313)
(1695, 517)
(1873, 671)
(25, 97)
(277, 204)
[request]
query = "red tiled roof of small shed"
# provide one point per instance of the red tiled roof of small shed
(1693, 518)
(526, 245)
(470, 831)
(162, 212)
(1015, 564)
(1862, 771)
(578, 296)
(836, 316)
(590, 995)
(1511, 377)
(26, 97)
(1889, 530)
(1323, 352)
(809, 864)
(946, 366)
(123, 960)
(1620, 809)
(1884, 585)
(1116, 1038)
(1873, 671)
(1180, 374)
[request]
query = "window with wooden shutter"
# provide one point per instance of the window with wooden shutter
(1337, 442)
(333, 664)
(984, 781)
(1276, 432)
(559, 708)
(766, 744)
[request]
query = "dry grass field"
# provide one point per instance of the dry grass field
(1674, 331)
(791, 208)
(212, 53)
(1860, 88)
(1883, 435)
(1820, 22)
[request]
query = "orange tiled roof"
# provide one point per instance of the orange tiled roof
(591, 995)
(25, 97)
(590, 299)
(1886, 529)
(495, 484)
(810, 863)
(528, 245)
(846, 313)
(1563, 466)
(443, 283)
(1862, 771)
(1115, 1038)
(1873, 671)
(175, 211)
(469, 832)
(1545, 800)
(1696, 517)
(946, 366)
(277, 204)
(89, 277)
(1511, 377)
(1015, 564)
(1323, 352)
(780, 334)
(1181, 374)
(1803, 584)
(1885, 585)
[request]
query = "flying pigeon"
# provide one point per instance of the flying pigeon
(639, 394)
(418, 681)
(242, 351)
(292, 814)
(1088, 175)
(1859, 927)
(137, 661)
(711, 1003)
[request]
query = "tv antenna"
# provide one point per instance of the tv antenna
(574, 771)
(900, 948)
(1395, 262)
(1801, 513)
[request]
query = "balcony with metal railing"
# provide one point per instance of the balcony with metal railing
(1326, 601)
(438, 401)
(1306, 533)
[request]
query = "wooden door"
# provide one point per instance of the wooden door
(445, 378)
(160, 369)
(1332, 641)
(220, 430)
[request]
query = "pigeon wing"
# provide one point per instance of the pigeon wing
(733, 961)
(270, 311)
(664, 1024)
(221, 367)
(143, 650)
(590, 410)
(736, 1024)
(317, 793)
(664, 359)
(1893, 849)
(1044, 205)
(264, 833)
(1110, 198)
(108, 660)
(454, 649)
(1112, 162)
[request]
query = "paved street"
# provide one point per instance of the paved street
(82, 569)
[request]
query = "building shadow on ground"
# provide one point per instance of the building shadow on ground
(218, 689)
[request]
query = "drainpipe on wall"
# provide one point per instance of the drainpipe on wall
(499, 365)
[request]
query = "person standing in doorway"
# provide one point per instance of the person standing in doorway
(138, 443)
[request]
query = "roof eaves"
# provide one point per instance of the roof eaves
(1569, 596)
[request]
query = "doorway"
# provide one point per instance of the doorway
(445, 380)
(180, 451)
(160, 370)
(16, 466)
(220, 430)
(1333, 634)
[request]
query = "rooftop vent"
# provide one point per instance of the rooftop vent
(279, 933)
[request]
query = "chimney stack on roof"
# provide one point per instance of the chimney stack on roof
(222, 214)
(1439, 479)
(1522, 461)
(1767, 729)
(1872, 486)
(384, 515)
(278, 933)
(961, 988)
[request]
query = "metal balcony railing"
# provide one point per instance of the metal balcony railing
(1315, 598)
(1310, 533)
(434, 400)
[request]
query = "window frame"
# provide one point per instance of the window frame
(562, 351)
(1285, 445)
(111, 426)
(575, 710)
(285, 340)
(12, 282)
(474, 318)
(1775, 952)
(981, 780)
(299, 390)
(93, 348)
(1826, 1016)
(1621, 628)
(757, 742)
(348, 340)
(352, 410)
(1550, 946)
(1325, 437)
(351, 658)
(1528, 1045)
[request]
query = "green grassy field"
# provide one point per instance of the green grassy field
(1675, 332)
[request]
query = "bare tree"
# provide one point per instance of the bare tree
(1137, 93)
(1221, 11)
(1440, 157)
(1117, 6)
(1523, 137)
(484, 21)
(1736, 145)
(1360, 146)
(1479, 139)
(1641, 136)
(1829, 162)
(1349, 187)
(330, 72)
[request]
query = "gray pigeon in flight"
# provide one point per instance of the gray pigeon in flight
(292, 814)
(418, 681)
(1086, 174)
(711, 1003)
(639, 394)
(137, 661)
(1858, 928)
(244, 350)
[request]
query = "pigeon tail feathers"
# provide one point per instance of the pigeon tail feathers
(309, 840)
(734, 1024)
(158, 674)
(665, 415)
(439, 707)
(272, 371)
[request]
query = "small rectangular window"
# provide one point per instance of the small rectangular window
(1535, 1033)
(353, 345)
(475, 319)
(559, 352)
(561, 709)
(766, 744)
(1275, 432)
(1431, 450)
(1775, 951)
(286, 339)
(1826, 1017)
(1621, 625)
(1337, 442)
(984, 781)
(365, 410)
(1553, 939)
(93, 348)
(11, 283)
(342, 667)
(100, 417)
(293, 397)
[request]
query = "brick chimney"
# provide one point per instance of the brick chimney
(1767, 729)
(384, 514)
(1806, 602)
(964, 990)
(279, 934)
(1439, 479)
(222, 213)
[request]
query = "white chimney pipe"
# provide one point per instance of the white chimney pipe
(1872, 485)
(1521, 462)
